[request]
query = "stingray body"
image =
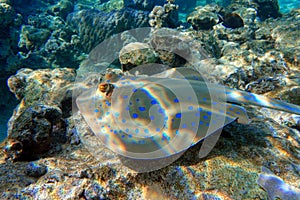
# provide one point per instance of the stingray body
(149, 117)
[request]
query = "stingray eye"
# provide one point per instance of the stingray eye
(106, 88)
(103, 87)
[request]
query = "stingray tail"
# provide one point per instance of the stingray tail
(235, 96)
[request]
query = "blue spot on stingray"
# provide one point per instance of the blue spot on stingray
(124, 120)
(190, 107)
(201, 122)
(125, 96)
(157, 129)
(152, 117)
(183, 125)
(141, 142)
(177, 132)
(107, 113)
(208, 112)
(207, 124)
(127, 130)
(137, 130)
(96, 110)
(205, 117)
(238, 112)
(189, 98)
(193, 123)
(204, 99)
(176, 100)
(178, 115)
(123, 136)
(231, 108)
(107, 103)
(142, 108)
(117, 114)
(134, 115)
(153, 102)
(214, 103)
(200, 109)
(165, 137)
(130, 136)
(115, 132)
(160, 110)
(137, 100)
(197, 114)
(134, 90)
(127, 108)
(146, 131)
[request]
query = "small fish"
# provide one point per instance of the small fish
(150, 117)
(231, 20)
(276, 187)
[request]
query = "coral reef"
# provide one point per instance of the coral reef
(204, 17)
(33, 38)
(164, 16)
(135, 54)
(235, 160)
(7, 14)
(110, 5)
(94, 26)
(62, 8)
(37, 125)
(48, 42)
(35, 131)
(10, 21)
(262, 56)
(171, 47)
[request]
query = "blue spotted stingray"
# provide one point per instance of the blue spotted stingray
(149, 117)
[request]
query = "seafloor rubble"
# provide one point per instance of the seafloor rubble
(44, 157)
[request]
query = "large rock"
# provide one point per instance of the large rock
(34, 132)
(204, 18)
(37, 125)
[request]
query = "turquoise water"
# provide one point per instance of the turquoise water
(287, 5)
(7, 104)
